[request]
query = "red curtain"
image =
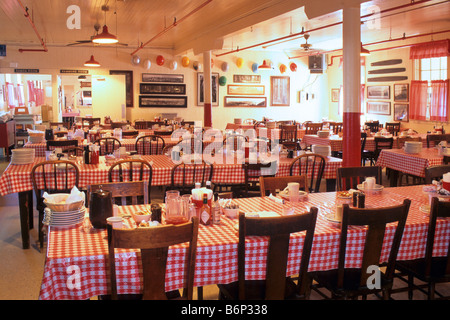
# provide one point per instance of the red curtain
(418, 100)
(439, 100)
(431, 49)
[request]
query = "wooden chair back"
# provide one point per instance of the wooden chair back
(74, 151)
(63, 144)
(131, 170)
(336, 127)
(382, 143)
(350, 177)
(150, 144)
(121, 191)
(154, 248)
(401, 140)
(313, 128)
(118, 125)
(374, 126)
(235, 142)
(435, 172)
(252, 173)
(140, 124)
(271, 185)
(434, 139)
(52, 176)
(130, 134)
(312, 165)
(278, 229)
(108, 145)
(393, 127)
(185, 175)
(375, 220)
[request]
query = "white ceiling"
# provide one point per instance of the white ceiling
(221, 25)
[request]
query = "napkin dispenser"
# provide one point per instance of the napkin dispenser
(100, 208)
(48, 134)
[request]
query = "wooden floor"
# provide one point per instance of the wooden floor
(22, 270)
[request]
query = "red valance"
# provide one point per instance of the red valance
(431, 49)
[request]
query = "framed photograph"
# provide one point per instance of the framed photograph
(236, 89)
(156, 77)
(162, 88)
(243, 78)
(401, 92)
(280, 91)
(334, 95)
(401, 112)
(129, 95)
(378, 92)
(162, 102)
(214, 89)
(245, 101)
(379, 107)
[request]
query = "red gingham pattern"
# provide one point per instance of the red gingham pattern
(336, 142)
(410, 163)
(17, 178)
(216, 262)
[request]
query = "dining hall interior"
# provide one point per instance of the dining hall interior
(344, 104)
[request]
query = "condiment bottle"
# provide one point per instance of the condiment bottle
(216, 209)
(205, 211)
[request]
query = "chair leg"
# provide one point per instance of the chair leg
(41, 228)
(410, 286)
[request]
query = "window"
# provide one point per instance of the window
(431, 70)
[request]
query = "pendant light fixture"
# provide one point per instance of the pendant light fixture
(92, 63)
(105, 37)
(265, 65)
(364, 51)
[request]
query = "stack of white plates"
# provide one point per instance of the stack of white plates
(22, 156)
(413, 146)
(322, 150)
(323, 133)
(63, 219)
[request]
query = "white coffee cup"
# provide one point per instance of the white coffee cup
(293, 188)
(370, 182)
(116, 222)
(338, 213)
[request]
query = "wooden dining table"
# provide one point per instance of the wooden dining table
(76, 259)
(17, 179)
(397, 160)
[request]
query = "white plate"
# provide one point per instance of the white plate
(285, 194)
(377, 187)
(331, 217)
(425, 208)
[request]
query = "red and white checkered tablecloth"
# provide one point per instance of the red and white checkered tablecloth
(409, 163)
(17, 178)
(76, 268)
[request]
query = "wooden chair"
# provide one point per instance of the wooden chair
(312, 128)
(235, 142)
(90, 122)
(185, 175)
(150, 144)
(374, 126)
(53, 176)
(131, 170)
(154, 247)
(435, 173)
(393, 127)
(252, 173)
(270, 185)
(108, 145)
(380, 144)
(122, 191)
(130, 134)
(336, 127)
(350, 177)
(434, 139)
(428, 269)
(344, 282)
(63, 144)
(140, 124)
(276, 286)
(310, 164)
(74, 151)
(288, 136)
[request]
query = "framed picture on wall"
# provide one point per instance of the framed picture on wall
(230, 101)
(401, 92)
(401, 112)
(214, 89)
(280, 91)
(162, 102)
(379, 107)
(334, 95)
(378, 92)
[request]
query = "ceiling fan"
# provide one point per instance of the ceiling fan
(97, 27)
(306, 46)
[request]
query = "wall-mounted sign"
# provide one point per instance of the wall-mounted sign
(26, 70)
(73, 71)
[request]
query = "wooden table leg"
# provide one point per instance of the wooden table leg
(393, 178)
(26, 214)
(331, 185)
